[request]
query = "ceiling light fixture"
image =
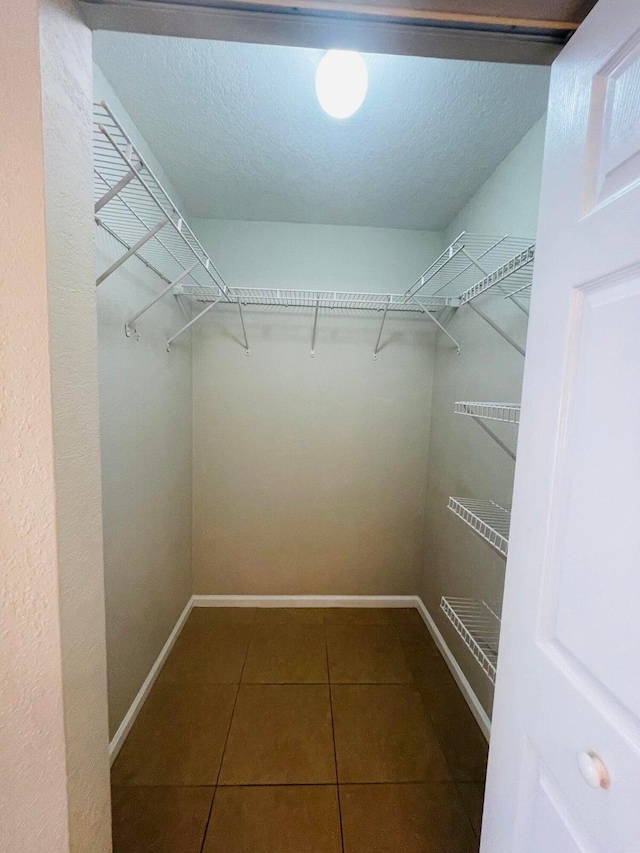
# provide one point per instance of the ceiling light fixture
(341, 82)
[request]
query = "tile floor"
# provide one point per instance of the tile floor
(301, 731)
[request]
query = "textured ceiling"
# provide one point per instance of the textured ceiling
(240, 133)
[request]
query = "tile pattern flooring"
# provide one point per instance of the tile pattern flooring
(301, 731)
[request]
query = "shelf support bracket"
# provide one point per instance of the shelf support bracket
(438, 324)
(129, 327)
(244, 331)
(195, 320)
(133, 250)
(115, 190)
(485, 273)
(376, 349)
(497, 440)
(495, 326)
(315, 327)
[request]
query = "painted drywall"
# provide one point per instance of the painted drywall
(463, 460)
(145, 424)
(310, 473)
(54, 747)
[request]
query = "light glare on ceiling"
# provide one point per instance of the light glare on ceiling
(341, 82)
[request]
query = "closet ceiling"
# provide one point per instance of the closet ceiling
(240, 133)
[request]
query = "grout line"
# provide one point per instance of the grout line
(206, 826)
(224, 749)
(333, 736)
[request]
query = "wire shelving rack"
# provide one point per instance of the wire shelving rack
(506, 412)
(132, 205)
(469, 259)
(479, 627)
(486, 518)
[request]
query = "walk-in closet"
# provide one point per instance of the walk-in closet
(312, 335)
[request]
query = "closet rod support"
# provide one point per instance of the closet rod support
(195, 320)
(115, 190)
(384, 317)
(497, 440)
(129, 325)
(244, 331)
(438, 324)
(133, 250)
(495, 326)
(315, 327)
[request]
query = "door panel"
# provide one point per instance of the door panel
(568, 674)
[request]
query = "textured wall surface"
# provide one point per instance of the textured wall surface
(463, 460)
(242, 135)
(146, 436)
(310, 473)
(55, 781)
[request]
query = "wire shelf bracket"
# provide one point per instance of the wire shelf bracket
(488, 519)
(479, 627)
(505, 412)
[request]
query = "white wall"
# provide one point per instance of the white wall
(310, 474)
(146, 413)
(463, 460)
(54, 787)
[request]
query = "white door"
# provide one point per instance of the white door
(569, 669)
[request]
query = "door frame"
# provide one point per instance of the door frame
(349, 24)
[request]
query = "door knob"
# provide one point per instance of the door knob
(593, 770)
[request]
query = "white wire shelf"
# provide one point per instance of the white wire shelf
(506, 412)
(468, 259)
(512, 278)
(486, 518)
(291, 298)
(132, 205)
(479, 628)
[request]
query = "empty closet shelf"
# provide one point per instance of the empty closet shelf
(134, 208)
(486, 518)
(479, 628)
(472, 257)
(507, 412)
(512, 278)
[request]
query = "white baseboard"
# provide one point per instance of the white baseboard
(130, 717)
(466, 689)
(304, 601)
(301, 601)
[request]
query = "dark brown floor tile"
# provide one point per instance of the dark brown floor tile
(287, 654)
(208, 652)
(408, 818)
(406, 617)
(178, 737)
(472, 796)
(357, 616)
(267, 616)
(383, 734)
(280, 734)
(366, 654)
(222, 616)
(159, 820)
(275, 819)
(430, 672)
(462, 742)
